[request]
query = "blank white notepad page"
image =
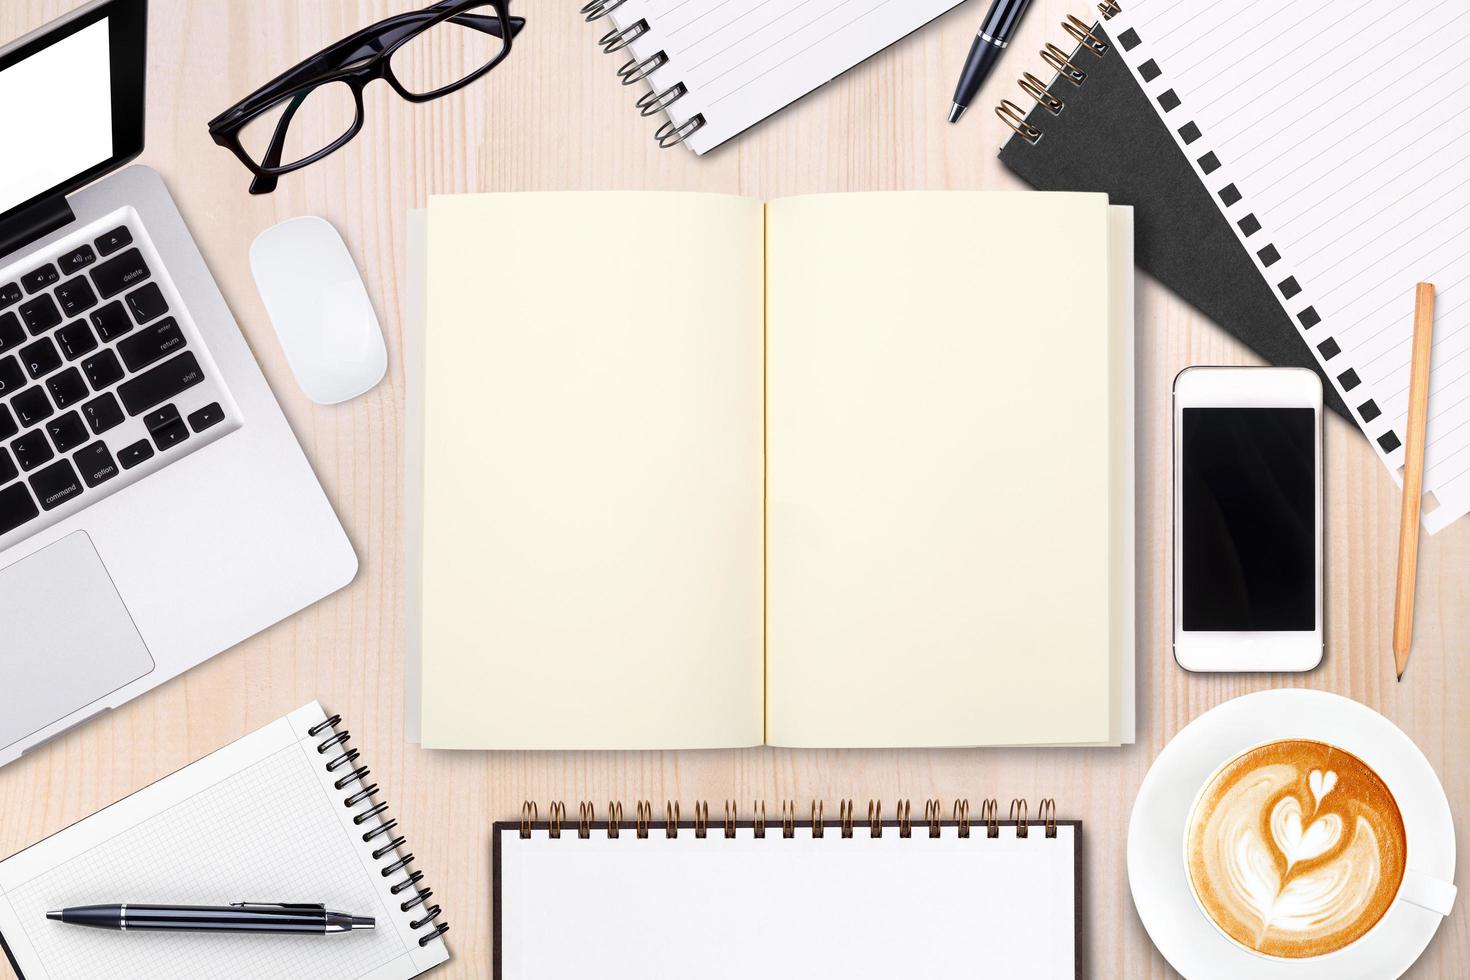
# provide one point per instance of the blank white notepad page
(737, 909)
(742, 60)
(1333, 136)
(257, 821)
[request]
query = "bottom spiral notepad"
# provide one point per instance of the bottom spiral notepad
(288, 814)
(786, 889)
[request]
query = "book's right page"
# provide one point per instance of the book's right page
(941, 496)
(1339, 159)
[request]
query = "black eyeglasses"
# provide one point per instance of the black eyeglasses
(316, 108)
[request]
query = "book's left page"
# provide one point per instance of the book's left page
(592, 496)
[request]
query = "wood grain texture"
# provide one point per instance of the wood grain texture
(554, 117)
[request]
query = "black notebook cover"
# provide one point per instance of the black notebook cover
(1108, 138)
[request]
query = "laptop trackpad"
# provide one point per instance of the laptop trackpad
(66, 638)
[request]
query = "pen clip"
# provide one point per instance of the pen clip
(276, 905)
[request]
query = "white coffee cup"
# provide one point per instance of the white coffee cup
(1416, 888)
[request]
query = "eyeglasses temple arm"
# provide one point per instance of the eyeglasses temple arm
(265, 184)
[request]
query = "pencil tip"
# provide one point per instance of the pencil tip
(1401, 677)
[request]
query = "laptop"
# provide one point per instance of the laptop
(155, 507)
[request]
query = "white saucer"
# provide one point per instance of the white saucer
(1161, 892)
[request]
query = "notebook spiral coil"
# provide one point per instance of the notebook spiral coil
(761, 820)
(414, 897)
(1063, 64)
(636, 70)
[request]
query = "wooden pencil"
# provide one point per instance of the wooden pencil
(1403, 607)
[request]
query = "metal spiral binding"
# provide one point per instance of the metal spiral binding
(1046, 812)
(614, 818)
(418, 897)
(990, 816)
(636, 70)
(613, 826)
(1019, 807)
(1064, 65)
(598, 9)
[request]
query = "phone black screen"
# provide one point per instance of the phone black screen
(1249, 515)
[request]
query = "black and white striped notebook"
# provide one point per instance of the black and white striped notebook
(735, 894)
(1345, 188)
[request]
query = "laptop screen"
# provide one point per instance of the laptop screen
(71, 108)
(60, 97)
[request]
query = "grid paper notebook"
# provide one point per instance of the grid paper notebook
(732, 899)
(714, 68)
(261, 820)
(1341, 204)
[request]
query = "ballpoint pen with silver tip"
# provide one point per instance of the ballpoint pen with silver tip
(256, 917)
(995, 34)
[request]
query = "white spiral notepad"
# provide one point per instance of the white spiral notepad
(849, 894)
(715, 68)
(261, 820)
(1347, 186)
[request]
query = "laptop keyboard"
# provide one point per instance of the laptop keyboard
(103, 380)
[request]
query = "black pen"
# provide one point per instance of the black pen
(310, 920)
(995, 34)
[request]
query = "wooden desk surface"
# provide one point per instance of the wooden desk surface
(553, 118)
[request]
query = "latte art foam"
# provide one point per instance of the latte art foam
(1296, 849)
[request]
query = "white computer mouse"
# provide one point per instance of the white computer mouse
(320, 308)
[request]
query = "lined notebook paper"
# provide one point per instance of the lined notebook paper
(739, 61)
(743, 906)
(260, 820)
(1340, 161)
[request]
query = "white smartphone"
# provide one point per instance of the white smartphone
(1247, 519)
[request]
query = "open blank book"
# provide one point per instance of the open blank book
(698, 471)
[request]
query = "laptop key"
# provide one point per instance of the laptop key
(147, 303)
(206, 417)
(166, 427)
(11, 333)
(77, 259)
(67, 388)
(67, 432)
(159, 384)
(102, 413)
(112, 321)
(12, 378)
(40, 314)
(32, 406)
(32, 450)
(138, 452)
(118, 274)
(8, 469)
(56, 484)
(76, 296)
(16, 507)
(115, 239)
(41, 278)
(95, 464)
(8, 425)
(103, 370)
(152, 344)
(76, 339)
(10, 294)
(40, 359)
